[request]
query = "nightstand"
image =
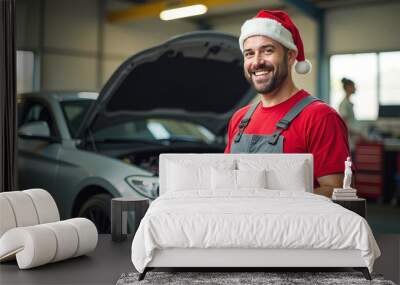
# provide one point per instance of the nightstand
(119, 215)
(357, 205)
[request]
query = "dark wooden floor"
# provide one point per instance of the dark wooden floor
(103, 266)
(110, 260)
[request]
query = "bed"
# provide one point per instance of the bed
(247, 210)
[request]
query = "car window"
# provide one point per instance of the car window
(74, 112)
(156, 129)
(35, 112)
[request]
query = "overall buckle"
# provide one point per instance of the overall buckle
(242, 125)
(273, 139)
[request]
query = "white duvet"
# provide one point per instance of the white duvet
(250, 219)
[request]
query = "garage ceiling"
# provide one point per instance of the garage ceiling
(329, 4)
(132, 10)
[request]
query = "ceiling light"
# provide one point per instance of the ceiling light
(183, 12)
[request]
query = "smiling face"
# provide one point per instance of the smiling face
(266, 63)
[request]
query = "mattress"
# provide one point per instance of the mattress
(250, 219)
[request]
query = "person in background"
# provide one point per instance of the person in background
(346, 111)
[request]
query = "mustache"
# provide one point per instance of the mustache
(262, 66)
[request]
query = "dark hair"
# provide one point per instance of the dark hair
(347, 82)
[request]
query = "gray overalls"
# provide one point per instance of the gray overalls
(273, 143)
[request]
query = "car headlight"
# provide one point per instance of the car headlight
(147, 186)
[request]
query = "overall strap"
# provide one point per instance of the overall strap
(284, 123)
(245, 121)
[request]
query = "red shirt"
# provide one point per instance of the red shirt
(318, 129)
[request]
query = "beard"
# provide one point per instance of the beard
(275, 80)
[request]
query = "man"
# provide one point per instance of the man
(287, 119)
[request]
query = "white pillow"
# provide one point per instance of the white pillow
(251, 178)
(193, 175)
(223, 179)
(237, 179)
(281, 174)
(185, 177)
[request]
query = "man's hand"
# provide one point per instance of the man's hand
(327, 183)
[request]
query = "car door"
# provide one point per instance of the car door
(37, 154)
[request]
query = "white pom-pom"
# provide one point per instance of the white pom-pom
(303, 67)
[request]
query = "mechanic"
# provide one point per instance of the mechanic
(287, 119)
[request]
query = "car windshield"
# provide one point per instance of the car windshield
(74, 112)
(155, 130)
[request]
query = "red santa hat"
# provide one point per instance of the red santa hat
(278, 26)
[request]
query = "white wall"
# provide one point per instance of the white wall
(124, 40)
(70, 45)
(64, 34)
(71, 25)
(66, 72)
(365, 28)
(308, 32)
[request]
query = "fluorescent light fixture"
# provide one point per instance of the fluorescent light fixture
(183, 12)
(88, 95)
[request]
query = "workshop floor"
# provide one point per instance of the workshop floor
(383, 218)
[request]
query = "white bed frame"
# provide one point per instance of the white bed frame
(250, 258)
(234, 257)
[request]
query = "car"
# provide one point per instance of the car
(87, 147)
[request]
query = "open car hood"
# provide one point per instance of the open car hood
(195, 77)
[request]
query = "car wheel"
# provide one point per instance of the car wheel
(97, 209)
